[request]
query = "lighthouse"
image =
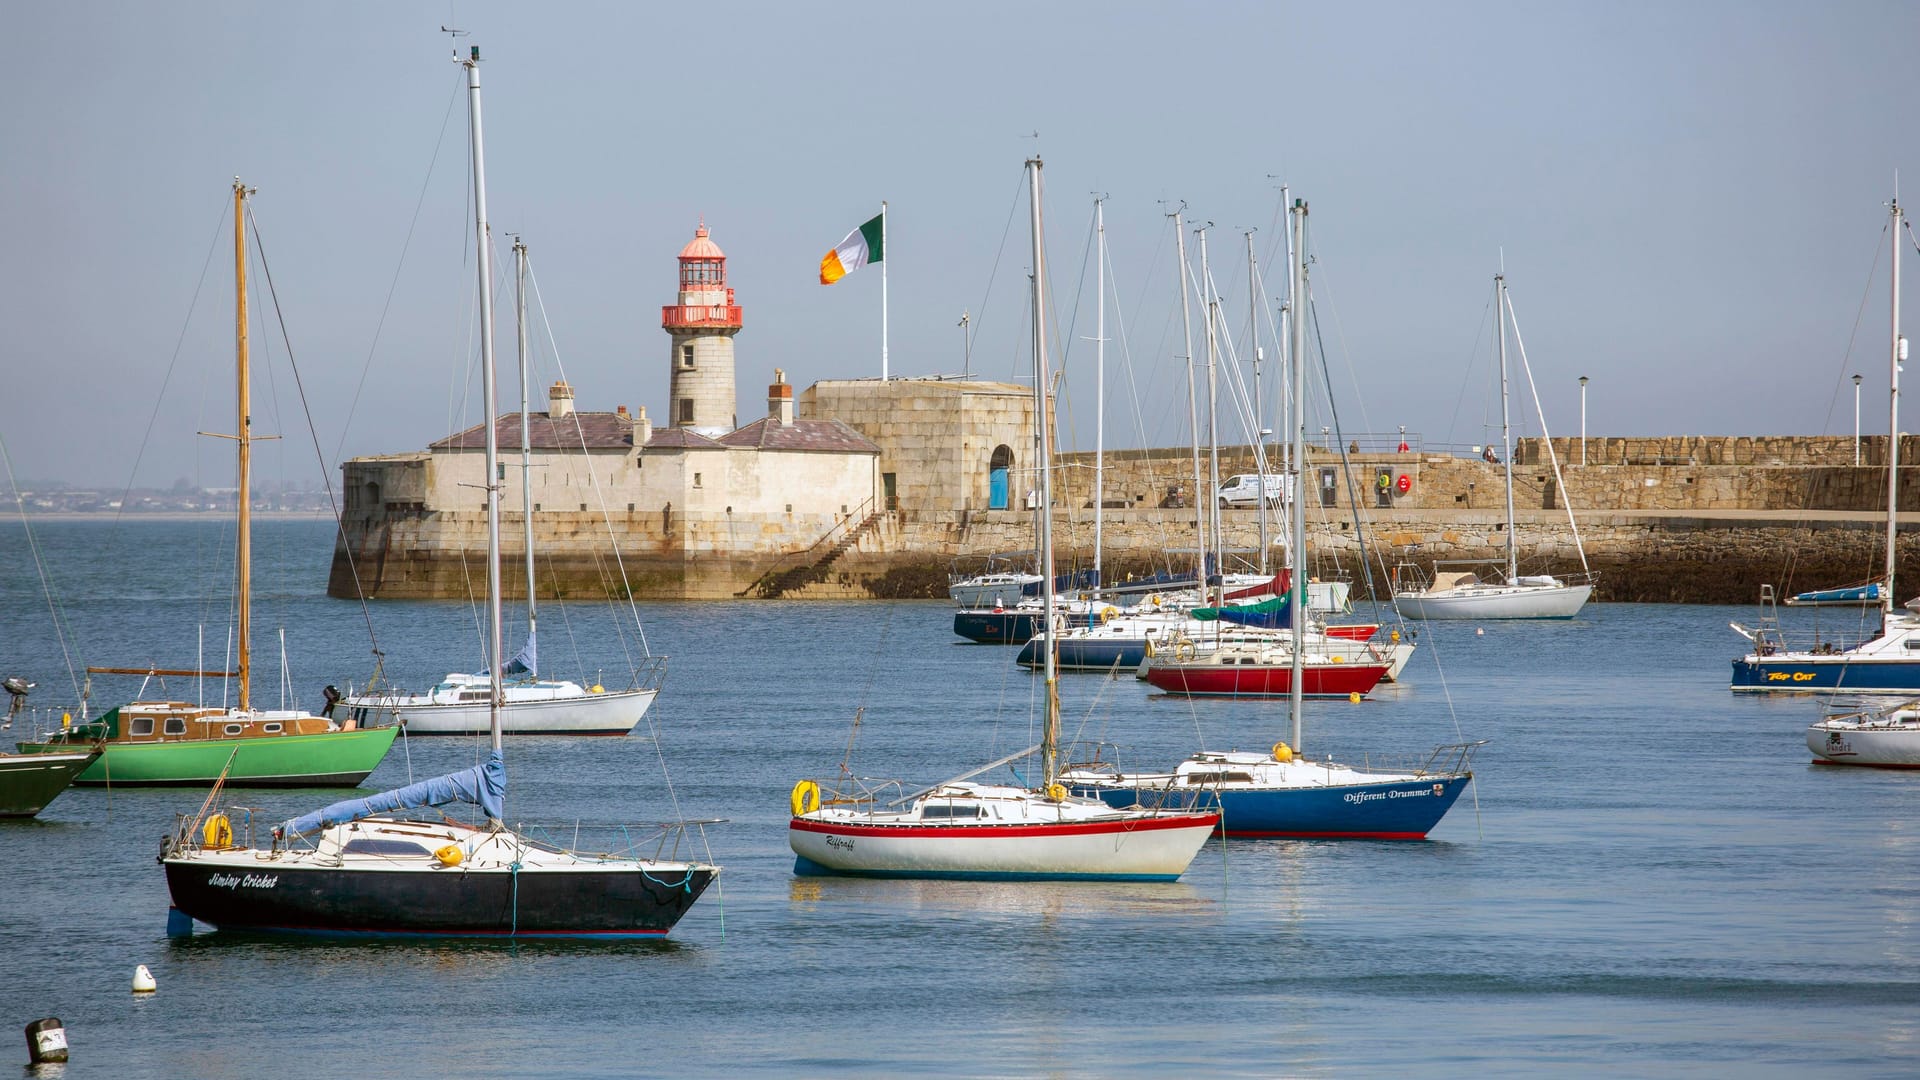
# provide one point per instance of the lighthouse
(702, 326)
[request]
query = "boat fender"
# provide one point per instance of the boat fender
(1184, 650)
(1150, 650)
(1394, 637)
(1107, 613)
(598, 689)
(1282, 753)
(449, 855)
(1057, 792)
(1339, 659)
(217, 833)
(805, 798)
(1154, 599)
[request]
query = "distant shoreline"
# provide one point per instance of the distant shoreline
(173, 515)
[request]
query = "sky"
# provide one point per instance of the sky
(1689, 201)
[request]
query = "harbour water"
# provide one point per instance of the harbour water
(1647, 878)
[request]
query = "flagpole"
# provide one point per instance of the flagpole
(883, 290)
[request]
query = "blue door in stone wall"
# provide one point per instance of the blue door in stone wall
(999, 467)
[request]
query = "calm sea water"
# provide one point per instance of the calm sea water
(1647, 878)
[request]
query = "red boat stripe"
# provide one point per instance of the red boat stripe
(1074, 828)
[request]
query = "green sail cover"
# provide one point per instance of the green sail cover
(1269, 606)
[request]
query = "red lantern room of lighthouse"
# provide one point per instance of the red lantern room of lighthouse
(702, 326)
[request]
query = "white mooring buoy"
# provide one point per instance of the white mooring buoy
(143, 980)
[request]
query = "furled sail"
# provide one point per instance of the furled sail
(484, 785)
(526, 661)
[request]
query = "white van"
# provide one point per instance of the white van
(1245, 490)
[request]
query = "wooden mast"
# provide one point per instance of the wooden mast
(243, 542)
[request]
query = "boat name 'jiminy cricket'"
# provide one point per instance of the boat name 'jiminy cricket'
(244, 881)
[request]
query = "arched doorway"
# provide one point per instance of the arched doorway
(997, 484)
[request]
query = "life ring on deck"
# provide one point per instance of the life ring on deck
(217, 833)
(1282, 753)
(449, 856)
(1057, 792)
(1154, 599)
(1184, 650)
(1149, 649)
(1107, 613)
(805, 798)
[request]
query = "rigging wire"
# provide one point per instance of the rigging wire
(326, 477)
(459, 84)
(60, 629)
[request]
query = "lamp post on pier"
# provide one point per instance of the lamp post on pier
(1583, 419)
(1856, 420)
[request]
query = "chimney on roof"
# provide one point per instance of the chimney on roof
(642, 428)
(780, 399)
(559, 400)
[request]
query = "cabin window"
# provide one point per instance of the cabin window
(1217, 778)
(175, 725)
(234, 729)
(270, 729)
(368, 846)
(141, 725)
(475, 695)
(948, 810)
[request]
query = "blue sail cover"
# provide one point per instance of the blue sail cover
(526, 661)
(484, 785)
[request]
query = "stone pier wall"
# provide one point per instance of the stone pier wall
(1695, 520)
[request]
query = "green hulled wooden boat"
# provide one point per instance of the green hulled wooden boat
(28, 782)
(161, 743)
(150, 743)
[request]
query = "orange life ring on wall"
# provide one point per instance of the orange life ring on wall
(1405, 483)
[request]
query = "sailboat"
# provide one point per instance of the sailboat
(1886, 663)
(960, 829)
(458, 705)
(164, 742)
(366, 869)
(1455, 592)
(28, 782)
(1283, 793)
(1887, 737)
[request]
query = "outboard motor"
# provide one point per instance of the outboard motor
(17, 688)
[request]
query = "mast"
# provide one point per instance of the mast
(1506, 439)
(491, 393)
(526, 440)
(1259, 409)
(1297, 518)
(1043, 520)
(1213, 412)
(1099, 385)
(1287, 404)
(1193, 407)
(243, 541)
(1893, 420)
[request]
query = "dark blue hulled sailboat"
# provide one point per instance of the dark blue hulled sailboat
(360, 867)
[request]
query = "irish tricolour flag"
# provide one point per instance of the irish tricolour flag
(862, 246)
